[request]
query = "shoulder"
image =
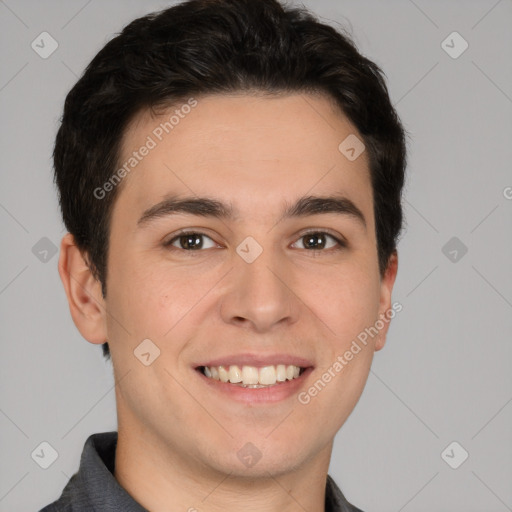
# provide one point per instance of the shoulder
(335, 501)
(55, 507)
(72, 499)
(90, 482)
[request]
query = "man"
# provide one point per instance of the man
(230, 174)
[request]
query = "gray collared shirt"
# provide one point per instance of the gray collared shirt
(93, 487)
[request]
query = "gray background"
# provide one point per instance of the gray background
(445, 373)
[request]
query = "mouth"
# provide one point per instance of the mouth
(253, 377)
(254, 385)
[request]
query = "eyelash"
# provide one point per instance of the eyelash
(340, 243)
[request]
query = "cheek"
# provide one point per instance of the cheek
(332, 395)
(348, 300)
(138, 296)
(155, 296)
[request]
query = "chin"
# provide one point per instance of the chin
(255, 460)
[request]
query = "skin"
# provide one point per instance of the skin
(178, 440)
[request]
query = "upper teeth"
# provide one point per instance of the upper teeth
(252, 375)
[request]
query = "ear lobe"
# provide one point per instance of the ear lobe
(83, 292)
(386, 288)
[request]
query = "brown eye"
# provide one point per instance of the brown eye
(319, 240)
(191, 241)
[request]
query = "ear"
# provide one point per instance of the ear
(386, 287)
(83, 291)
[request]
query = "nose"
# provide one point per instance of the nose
(260, 295)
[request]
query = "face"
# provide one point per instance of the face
(261, 278)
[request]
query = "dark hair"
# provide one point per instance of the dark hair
(202, 47)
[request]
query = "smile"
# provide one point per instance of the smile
(260, 385)
(253, 376)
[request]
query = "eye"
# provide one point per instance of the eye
(320, 240)
(190, 241)
(195, 241)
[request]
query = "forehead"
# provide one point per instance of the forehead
(250, 151)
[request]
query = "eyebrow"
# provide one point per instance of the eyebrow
(208, 207)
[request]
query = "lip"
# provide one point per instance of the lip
(254, 396)
(258, 360)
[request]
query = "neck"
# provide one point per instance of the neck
(157, 478)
